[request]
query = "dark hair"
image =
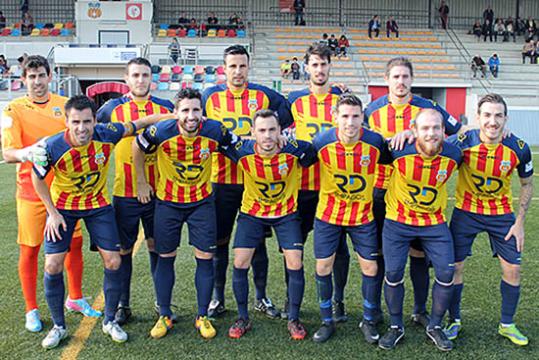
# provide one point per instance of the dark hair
(187, 93)
(138, 61)
(492, 98)
(235, 50)
(320, 50)
(35, 62)
(348, 99)
(399, 61)
(264, 113)
(80, 102)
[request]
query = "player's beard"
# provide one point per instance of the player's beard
(190, 129)
(141, 93)
(404, 94)
(320, 83)
(429, 148)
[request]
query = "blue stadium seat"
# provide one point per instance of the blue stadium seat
(65, 32)
(162, 86)
(191, 33)
(176, 77)
(155, 77)
(241, 33)
(40, 26)
(156, 69)
(188, 69)
(199, 78)
(198, 86)
(210, 78)
(16, 32)
(163, 26)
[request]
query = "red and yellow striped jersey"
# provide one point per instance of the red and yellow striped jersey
(484, 180)
(80, 173)
(122, 110)
(417, 192)
(24, 123)
(312, 114)
(347, 176)
(184, 163)
(390, 119)
(271, 182)
(235, 109)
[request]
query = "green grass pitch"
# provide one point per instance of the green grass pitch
(269, 338)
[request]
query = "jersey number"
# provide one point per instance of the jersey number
(189, 172)
(86, 181)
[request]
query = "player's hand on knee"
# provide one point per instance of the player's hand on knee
(144, 192)
(52, 227)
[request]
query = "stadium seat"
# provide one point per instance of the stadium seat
(163, 26)
(212, 33)
(55, 32)
(198, 78)
(174, 86)
(176, 77)
(16, 32)
(164, 77)
(58, 26)
(188, 69)
(69, 25)
(65, 32)
(156, 69)
(155, 77)
(198, 86)
(208, 85)
(40, 26)
(210, 78)
(186, 85)
(231, 33)
(153, 86)
(17, 25)
(5, 32)
(210, 69)
(221, 33)
(49, 26)
(191, 33)
(171, 32)
(241, 33)
(199, 69)
(35, 32)
(162, 33)
(162, 86)
(45, 32)
(177, 69)
(182, 33)
(187, 77)
(166, 69)
(220, 70)
(221, 79)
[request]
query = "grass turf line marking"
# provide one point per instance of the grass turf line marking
(77, 341)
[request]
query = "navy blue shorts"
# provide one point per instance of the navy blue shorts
(169, 218)
(250, 231)
(129, 212)
(379, 212)
(307, 203)
(328, 236)
(100, 223)
(227, 204)
(436, 241)
(465, 226)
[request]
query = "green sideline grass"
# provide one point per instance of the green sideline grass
(269, 338)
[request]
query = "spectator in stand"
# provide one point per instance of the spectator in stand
(213, 22)
(477, 29)
(193, 25)
(488, 14)
(479, 64)
(536, 52)
(15, 71)
(183, 20)
(285, 69)
(494, 64)
(374, 26)
(3, 65)
(510, 28)
(443, 10)
(529, 50)
(324, 39)
(304, 72)
(174, 50)
(499, 30)
(295, 69)
(299, 9)
(520, 26)
(27, 23)
(234, 19)
(2, 20)
(344, 44)
(531, 28)
(333, 43)
(487, 30)
(392, 26)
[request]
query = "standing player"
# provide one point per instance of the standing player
(484, 203)
(24, 122)
(80, 157)
(270, 199)
(348, 156)
(416, 200)
(128, 210)
(234, 104)
(313, 109)
(391, 116)
(184, 147)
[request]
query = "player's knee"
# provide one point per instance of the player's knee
(294, 262)
(53, 266)
(445, 277)
(511, 274)
(394, 278)
(324, 267)
(199, 254)
(150, 244)
(416, 253)
(369, 268)
(112, 261)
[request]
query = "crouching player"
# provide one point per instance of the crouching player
(416, 200)
(348, 158)
(269, 199)
(485, 203)
(80, 158)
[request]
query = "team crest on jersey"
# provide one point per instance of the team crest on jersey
(442, 175)
(505, 165)
(100, 158)
(365, 160)
(283, 169)
(204, 154)
(461, 137)
(521, 144)
(56, 111)
(252, 104)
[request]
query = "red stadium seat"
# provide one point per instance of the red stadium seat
(199, 69)
(55, 32)
(231, 33)
(182, 33)
(164, 77)
(69, 25)
(45, 32)
(220, 70)
(5, 32)
(176, 69)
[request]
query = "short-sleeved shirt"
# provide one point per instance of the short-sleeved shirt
(184, 163)
(125, 109)
(484, 180)
(347, 176)
(235, 109)
(417, 192)
(271, 182)
(312, 114)
(390, 119)
(24, 123)
(80, 172)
